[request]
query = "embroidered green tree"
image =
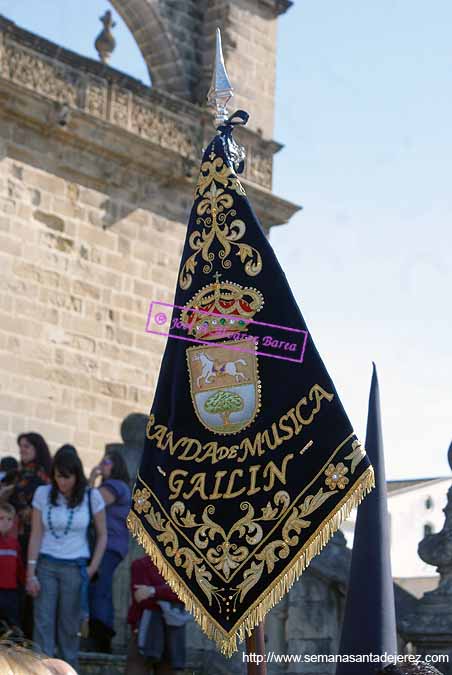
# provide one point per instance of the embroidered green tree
(224, 403)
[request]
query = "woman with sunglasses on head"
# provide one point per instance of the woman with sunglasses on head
(115, 490)
(59, 566)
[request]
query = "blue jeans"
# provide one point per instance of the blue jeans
(101, 590)
(57, 609)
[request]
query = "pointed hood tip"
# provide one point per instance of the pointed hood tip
(374, 381)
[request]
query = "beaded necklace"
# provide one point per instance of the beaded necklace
(50, 525)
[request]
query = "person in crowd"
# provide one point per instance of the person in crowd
(60, 564)
(8, 470)
(116, 493)
(34, 470)
(17, 660)
(58, 667)
(8, 475)
(12, 572)
(166, 650)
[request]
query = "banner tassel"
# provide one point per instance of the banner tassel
(227, 642)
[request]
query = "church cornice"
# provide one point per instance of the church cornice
(117, 114)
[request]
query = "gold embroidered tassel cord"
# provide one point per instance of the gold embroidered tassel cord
(227, 643)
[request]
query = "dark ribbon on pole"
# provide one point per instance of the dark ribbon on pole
(234, 149)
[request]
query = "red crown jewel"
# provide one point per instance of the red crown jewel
(221, 309)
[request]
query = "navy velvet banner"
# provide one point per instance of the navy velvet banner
(250, 463)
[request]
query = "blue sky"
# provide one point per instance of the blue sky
(364, 109)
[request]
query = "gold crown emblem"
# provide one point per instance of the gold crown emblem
(220, 310)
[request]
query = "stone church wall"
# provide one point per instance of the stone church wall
(79, 266)
(96, 182)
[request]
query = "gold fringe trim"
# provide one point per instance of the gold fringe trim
(227, 642)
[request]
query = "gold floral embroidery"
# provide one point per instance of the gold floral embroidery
(279, 549)
(297, 519)
(358, 453)
(250, 578)
(225, 551)
(218, 219)
(196, 566)
(140, 500)
(183, 556)
(336, 476)
(228, 554)
(216, 170)
(224, 556)
(295, 522)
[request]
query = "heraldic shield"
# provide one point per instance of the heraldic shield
(250, 463)
(224, 385)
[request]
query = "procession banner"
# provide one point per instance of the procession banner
(250, 463)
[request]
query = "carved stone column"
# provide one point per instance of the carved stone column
(429, 627)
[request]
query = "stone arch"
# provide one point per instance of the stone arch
(161, 29)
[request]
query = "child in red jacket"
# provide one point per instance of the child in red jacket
(168, 646)
(12, 572)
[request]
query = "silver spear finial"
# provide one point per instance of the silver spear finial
(221, 90)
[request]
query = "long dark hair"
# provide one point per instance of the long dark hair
(68, 463)
(43, 456)
(119, 469)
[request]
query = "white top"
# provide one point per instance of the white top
(74, 544)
